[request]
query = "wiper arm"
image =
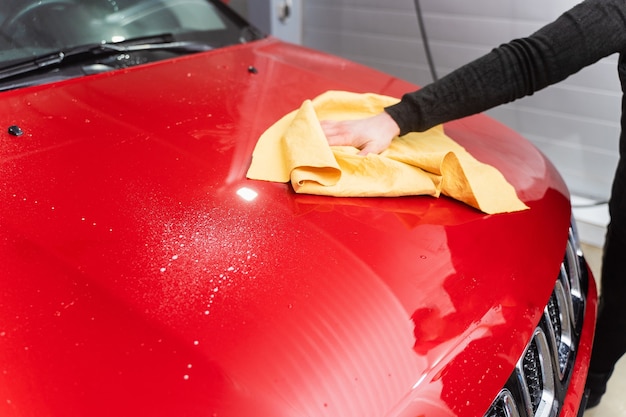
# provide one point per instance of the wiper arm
(32, 65)
(183, 46)
(250, 33)
(163, 42)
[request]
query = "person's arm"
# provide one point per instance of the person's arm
(588, 32)
(583, 35)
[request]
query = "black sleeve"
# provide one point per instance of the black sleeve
(583, 35)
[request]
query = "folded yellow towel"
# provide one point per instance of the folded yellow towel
(429, 163)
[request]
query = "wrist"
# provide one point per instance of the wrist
(389, 124)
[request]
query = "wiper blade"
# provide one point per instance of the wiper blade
(163, 42)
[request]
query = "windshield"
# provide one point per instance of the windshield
(32, 30)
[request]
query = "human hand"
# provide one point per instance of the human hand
(370, 135)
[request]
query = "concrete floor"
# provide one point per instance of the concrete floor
(614, 401)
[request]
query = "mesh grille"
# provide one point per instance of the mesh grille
(531, 364)
(555, 317)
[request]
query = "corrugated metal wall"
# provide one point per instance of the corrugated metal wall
(575, 123)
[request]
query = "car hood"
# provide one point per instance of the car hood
(143, 274)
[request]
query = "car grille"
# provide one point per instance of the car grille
(538, 385)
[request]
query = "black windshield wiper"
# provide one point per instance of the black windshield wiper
(81, 53)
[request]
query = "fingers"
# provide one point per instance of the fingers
(366, 150)
(337, 133)
(371, 147)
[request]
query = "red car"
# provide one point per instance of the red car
(142, 273)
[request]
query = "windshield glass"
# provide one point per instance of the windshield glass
(31, 29)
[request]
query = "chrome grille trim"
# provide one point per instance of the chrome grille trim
(539, 382)
(566, 287)
(578, 269)
(504, 406)
(558, 319)
(536, 376)
(573, 274)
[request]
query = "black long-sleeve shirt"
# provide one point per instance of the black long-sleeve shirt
(581, 36)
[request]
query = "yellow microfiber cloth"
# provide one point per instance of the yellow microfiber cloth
(429, 163)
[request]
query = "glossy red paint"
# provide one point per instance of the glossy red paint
(137, 281)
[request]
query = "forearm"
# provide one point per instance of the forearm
(588, 32)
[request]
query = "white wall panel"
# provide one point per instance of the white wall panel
(576, 123)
